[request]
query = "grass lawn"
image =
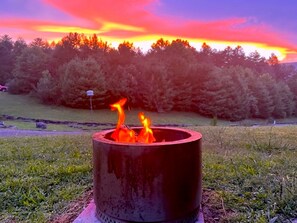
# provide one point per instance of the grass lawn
(249, 174)
(28, 107)
(253, 171)
(25, 106)
(41, 175)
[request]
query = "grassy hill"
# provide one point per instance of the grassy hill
(28, 107)
(25, 106)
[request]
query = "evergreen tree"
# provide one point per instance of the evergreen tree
(284, 101)
(246, 100)
(226, 94)
(79, 77)
(292, 83)
(28, 70)
(6, 59)
(93, 47)
(157, 89)
(64, 51)
(122, 83)
(178, 58)
(278, 91)
(48, 89)
(18, 47)
(264, 98)
(256, 63)
(183, 100)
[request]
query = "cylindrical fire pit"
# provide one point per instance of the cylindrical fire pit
(156, 182)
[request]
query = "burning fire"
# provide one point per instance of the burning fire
(146, 134)
(124, 134)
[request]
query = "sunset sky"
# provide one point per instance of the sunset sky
(263, 25)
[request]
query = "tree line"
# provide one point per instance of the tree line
(171, 76)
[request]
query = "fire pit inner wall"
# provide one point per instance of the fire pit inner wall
(156, 182)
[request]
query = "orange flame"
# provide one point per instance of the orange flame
(124, 134)
(119, 106)
(146, 134)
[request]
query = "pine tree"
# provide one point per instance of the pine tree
(6, 59)
(48, 90)
(292, 83)
(264, 98)
(284, 101)
(28, 70)
(80, 76)
(226, 94)
(122, 83)
(157, 89)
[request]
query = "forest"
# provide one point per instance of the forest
(226, 84)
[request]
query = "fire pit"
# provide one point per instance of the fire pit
(153, 182)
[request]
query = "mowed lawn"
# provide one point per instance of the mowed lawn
(249, 174)
(28, 107)
(25, 106)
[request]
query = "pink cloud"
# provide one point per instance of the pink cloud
(134, 12)
(25, 23)
(140, 13)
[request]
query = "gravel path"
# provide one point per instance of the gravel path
(22, 133)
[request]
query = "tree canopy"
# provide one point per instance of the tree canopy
(171, 76)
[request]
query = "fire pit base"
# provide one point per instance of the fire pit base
(89, 215)
(192, 217)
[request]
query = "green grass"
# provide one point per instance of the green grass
(252, 170)
(25, 106)
(40, 176)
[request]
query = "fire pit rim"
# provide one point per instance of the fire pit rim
(193, 137)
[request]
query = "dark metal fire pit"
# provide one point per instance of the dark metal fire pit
(156, 182)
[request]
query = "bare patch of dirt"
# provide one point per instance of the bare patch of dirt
(213, 208)
(74, 209)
